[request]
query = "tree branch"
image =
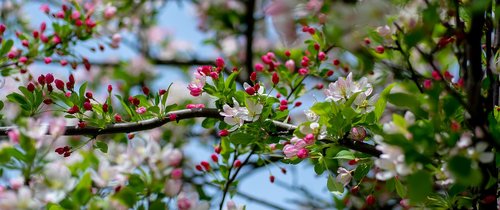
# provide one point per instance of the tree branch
(188, 114)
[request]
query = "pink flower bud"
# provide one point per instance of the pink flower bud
(379, 49)
(118, 118)
(219, 62)
(321, 56)
(253, 76)
(60, 14)
(172, 117)
(13, 136)
(109, 12)
(75, 15)
(23, 59)
(141, 110)
(45, 8)
(47, 60)
(176, 173)
(223, 132)
(259, 67)
(303, 71)
(290, 65)
(427, 84)
(302, 153)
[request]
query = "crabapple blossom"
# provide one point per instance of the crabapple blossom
(344, 176)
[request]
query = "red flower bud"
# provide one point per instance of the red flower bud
(87, 106)
(47, 101)
(31, 87)
(316, 46)
(82, 124)
(271, 178)
(275, 78)
(89, 95)
(215, 158)
(253, 76)
(287, 53)
(162, 91)
(145, 90)
(219, 62)
(198, 167)
(336, 62)
(105, 107)
(217, 149)
(329, 73)
(250, 90)
(205, 165)
(379, 49)
(49, 78)
(298, 103)
(237, 164)
(370, 200)
(110, 88)
(59, 84)
(172, 117)
(223, 132)
(74, 109)
(118, 118)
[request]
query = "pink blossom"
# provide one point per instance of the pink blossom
(184, 204)
(309, 139)
(175, 157)
(45, 8)
(303, 71)
(57, 127)
(109, 12)
(290, 150)
(259, 67)
(141, 110)
(290, 65)
(75, 15)
(173, 187)
(13, 136)
(176, 173)
(196, 86)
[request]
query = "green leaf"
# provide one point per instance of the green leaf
(400, 189)
(382, 101)
(461, 168)
(419, 186)
(361, 171)
(242, 138)
(82, 193)
(7, 45)
(102, 146)
(81, 91)
(19, 99)
(345, 154)
(334, 186)
(126, 196)
(230, 84)
(209, 123)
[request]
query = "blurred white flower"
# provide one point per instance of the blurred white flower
(479, 153)
(344, 176)
(391, 161)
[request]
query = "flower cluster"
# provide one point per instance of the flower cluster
(235, 116)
